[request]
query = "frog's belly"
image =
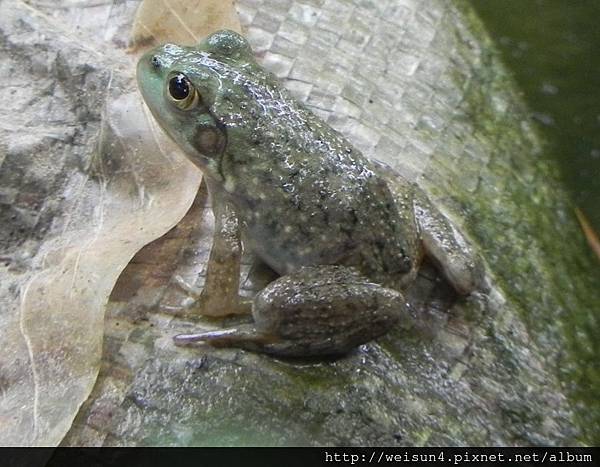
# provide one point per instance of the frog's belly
(359, 225)
(287, 248)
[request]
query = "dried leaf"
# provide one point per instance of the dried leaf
(92, 180)
(181, 21)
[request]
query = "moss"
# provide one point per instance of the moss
(528, 232)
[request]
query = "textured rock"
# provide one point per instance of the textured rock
(416, 84)
(421, 90)
(79, 195)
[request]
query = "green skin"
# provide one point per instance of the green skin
(346, 233)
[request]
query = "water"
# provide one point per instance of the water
(553, 49)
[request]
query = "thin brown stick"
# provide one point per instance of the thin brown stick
(589, 232)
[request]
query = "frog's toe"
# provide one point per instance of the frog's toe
(465, 272)
(244, 336)
(208, 305)
(191, 290)
(191, 340)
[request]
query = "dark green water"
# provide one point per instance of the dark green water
(553, 49)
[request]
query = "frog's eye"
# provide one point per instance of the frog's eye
(182, 92)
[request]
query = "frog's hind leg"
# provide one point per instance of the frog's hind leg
(314, 311)
(449, 250)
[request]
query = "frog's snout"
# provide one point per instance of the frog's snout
(155, 62)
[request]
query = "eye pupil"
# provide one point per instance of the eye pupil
(181, 92)
(179, 87)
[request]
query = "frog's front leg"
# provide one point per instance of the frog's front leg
(220, 295)
(321, 310)
(450, 251)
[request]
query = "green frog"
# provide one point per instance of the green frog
(346, 234)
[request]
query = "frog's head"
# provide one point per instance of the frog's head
(195, 93)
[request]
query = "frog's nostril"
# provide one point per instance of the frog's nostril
(155, 62)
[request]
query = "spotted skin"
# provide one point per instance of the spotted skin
(304, 198)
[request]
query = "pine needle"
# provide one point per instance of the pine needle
(589, 232)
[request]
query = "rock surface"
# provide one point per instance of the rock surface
(416, 84)
(80, 194)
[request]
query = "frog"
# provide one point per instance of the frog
(344, 233)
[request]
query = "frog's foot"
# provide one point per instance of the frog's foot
(192, 291)
(449, 250)
(324, 310)
(244, 336)
(247, 337)
(462, 268)
(206, 303)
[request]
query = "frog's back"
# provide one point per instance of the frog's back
(307, 197)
